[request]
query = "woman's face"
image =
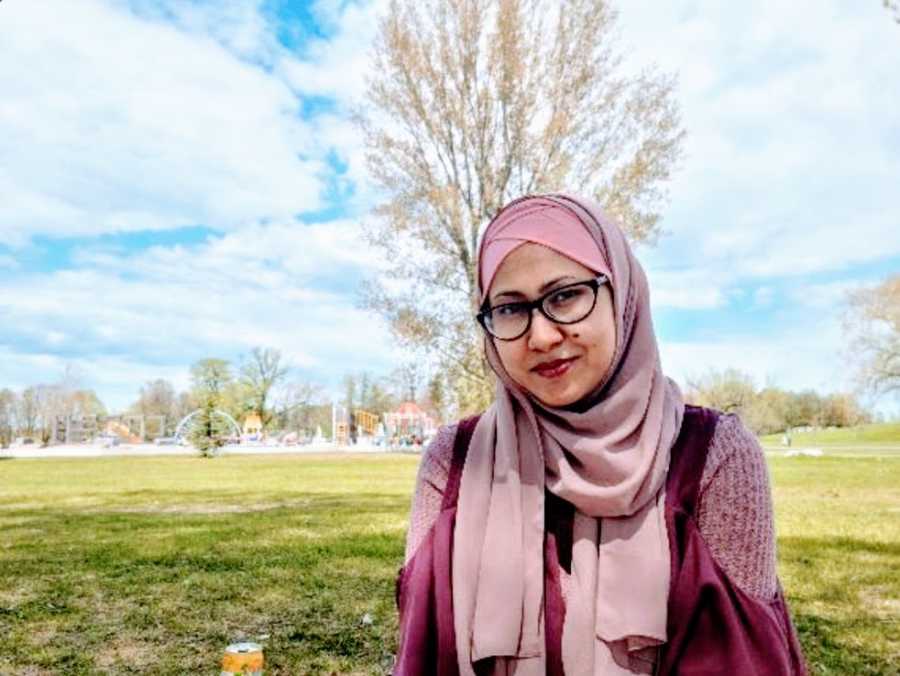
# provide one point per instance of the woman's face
(559, 364)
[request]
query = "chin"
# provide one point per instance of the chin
(558, 399)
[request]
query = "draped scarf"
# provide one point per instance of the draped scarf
(608, 456)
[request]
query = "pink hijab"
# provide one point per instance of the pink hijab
(609, 459)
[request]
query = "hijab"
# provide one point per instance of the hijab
(608, 456)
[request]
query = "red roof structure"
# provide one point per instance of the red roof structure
(409, 408)
(409, 418)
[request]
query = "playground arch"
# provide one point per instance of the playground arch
(185, 421)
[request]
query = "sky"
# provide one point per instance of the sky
(181, 179)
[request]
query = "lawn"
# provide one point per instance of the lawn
(153, 565)
(877, 437)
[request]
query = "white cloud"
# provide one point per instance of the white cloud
(116, 379)
(118, 122)
(763, 296)
(791, 155)
(795, 358)
(802, 354)
(337, 67)
(238, 25)
(827, 296)
(690, 289)
(55, 338)
(276, 286)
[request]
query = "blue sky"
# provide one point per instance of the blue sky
(182, 179)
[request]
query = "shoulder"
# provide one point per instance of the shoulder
(434, 467)
(438, 454)
(733, 448)
(431, 481)
(735, 507)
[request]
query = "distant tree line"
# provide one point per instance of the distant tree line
(771, 409)
(259, 383)
(33, 411)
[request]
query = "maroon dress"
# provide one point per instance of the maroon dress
(713, 626)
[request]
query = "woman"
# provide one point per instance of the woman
(588, 523)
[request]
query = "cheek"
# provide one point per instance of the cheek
(512, 356)
(604, 349)
(600, 341)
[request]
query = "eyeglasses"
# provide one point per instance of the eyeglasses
(567, 304)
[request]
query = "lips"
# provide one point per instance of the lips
(555, 368)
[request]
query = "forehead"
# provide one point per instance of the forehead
(529, 267)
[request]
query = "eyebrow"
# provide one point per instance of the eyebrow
(543, 289)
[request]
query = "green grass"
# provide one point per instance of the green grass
(153, 565)
(881, 436)
(838, 525)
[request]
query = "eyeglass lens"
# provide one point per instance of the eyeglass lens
(566, 305)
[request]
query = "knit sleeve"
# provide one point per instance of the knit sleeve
(430, 483)
(735, 509)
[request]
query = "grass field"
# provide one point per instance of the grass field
(153, 565)
(863, 438)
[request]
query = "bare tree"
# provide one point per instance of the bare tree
(351, 397)
(157, 397)
(894, 7)
(51, 403)
(843, 409)
(475, 102)
(185, 403)
(408, 379)
(84, 402)
(39, 408)
(27, 412)
(259, 374)
(7, 417)
(379, 399)
(872, 323)
(436, 397)
(730, 391)
(297, 405)
(768, 411)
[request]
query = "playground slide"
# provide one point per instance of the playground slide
(122, 431)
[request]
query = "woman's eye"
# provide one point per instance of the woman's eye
(507, 311)
(564, 296)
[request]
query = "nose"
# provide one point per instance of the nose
(544, 334)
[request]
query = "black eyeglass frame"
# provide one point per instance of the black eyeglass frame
(538, 304)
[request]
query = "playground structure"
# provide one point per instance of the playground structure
(253, 426)
(132, 429)
(408, 425)
(182, 430)
(352, 426)
(122, 432)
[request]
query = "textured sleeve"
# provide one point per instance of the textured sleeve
(735, 509)
(430, 482)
